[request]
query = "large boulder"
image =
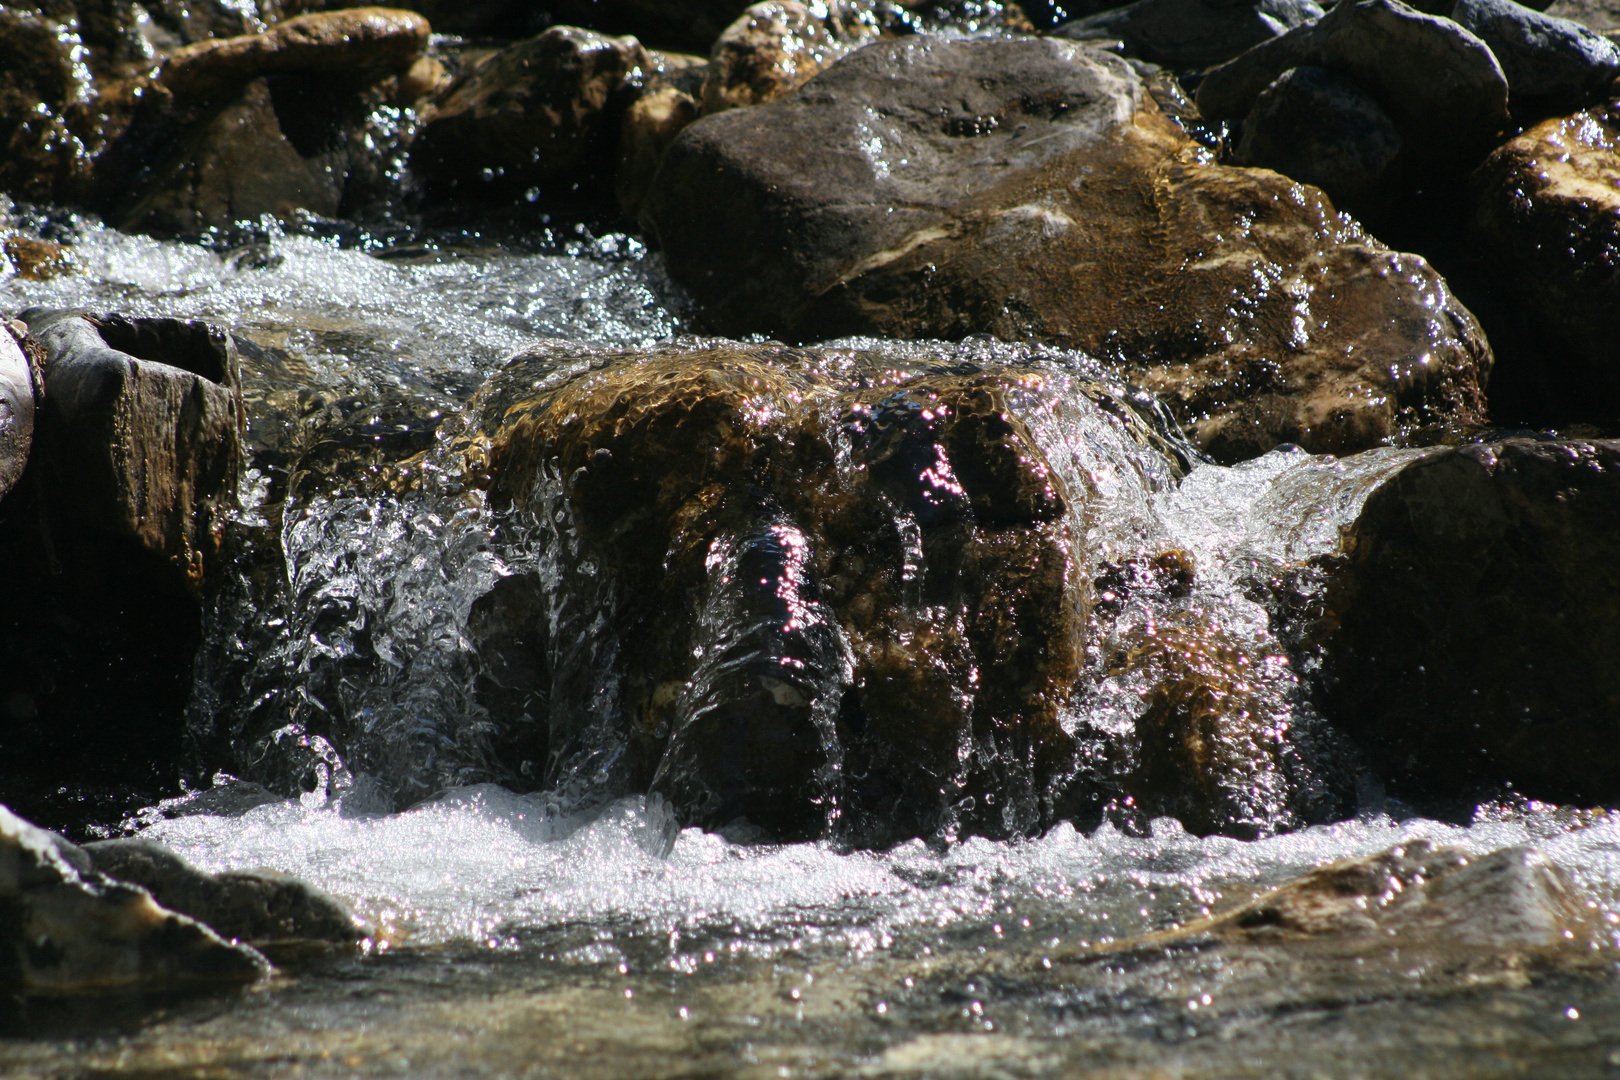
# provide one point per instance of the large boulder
(804, 593)
(1030, 189)
(1192, 33)
(70, 929)
(1547, 226)
(530, 115)
(1478, 622)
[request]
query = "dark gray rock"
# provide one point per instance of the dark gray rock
(16, 410)
(66, 928)
(1478, 621)
(145, 430)
(1031, 190)
(1440, 84)
(1552, 65)
(530, 115)
(264, 908)
(1319, 128)
(1192, 33)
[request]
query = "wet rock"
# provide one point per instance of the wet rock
(1553, 66)
(263, 908)
(42, 157)
(36, 260)
(16, 410)
(925, 188)
(1192, 33)
(1422, 895)
(669, 103)
(1477, 621)
(1602, 16)
(144, 430)
(803, 593)
(1321, 129)
(775, 47)
(1439, 84)
(528, 116)
(360, 43)
(1547, 224)
(70, 929)
(685, 25)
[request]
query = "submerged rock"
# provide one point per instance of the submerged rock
(532, 114)
(263, 908)
(69, 929)
(806, 593)
(1547, 223)
(929, 188)
(1192, 33)
(1441, 85)
(1478, 621)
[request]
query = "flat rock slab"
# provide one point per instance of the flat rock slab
(353, 41)
(1479, 621)
(1028, 189)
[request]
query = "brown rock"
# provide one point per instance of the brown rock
(1478, 622)
(42, 158)
(529, 115)
(1547, 221)
(775, 47)
(351, 41)
(1028, 189)
(145, 419)
(37, 260)
(669, 103)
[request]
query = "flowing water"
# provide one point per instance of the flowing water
(550, 933)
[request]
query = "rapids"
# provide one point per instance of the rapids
(540, 934)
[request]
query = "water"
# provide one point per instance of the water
(535, 934)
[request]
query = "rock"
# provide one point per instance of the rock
(669, 103)
(42, 157)
(144, 430)
(1602, 16)
(37, 260)
(684, 25)
(1192, 33)
(1478, 622)
(775, 47)
(805, 593)
(530, 115)
(1553, 66)
(1546, 222)
(69, 929)
(932, 189)
(16, 411)
(1321, 129)
(1423, 896)
(263, 908)
(362, 44)
(1439, 84)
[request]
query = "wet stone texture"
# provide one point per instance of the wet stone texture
(1029, 189)
(1547, 221)
(1477, 624)
(807, 593)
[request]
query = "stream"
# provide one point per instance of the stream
(546, 933)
